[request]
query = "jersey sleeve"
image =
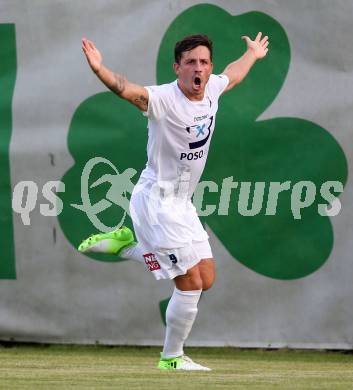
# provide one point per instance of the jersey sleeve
(157, 102)
(217, 84)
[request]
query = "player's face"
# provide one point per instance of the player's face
(193, 72)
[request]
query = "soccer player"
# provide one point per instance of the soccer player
(181, 119)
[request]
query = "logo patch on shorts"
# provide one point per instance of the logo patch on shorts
(151, 262)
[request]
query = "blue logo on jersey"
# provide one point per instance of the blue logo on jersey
(200, 129)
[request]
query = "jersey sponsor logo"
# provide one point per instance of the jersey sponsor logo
(192, 155)
(151, 262)
(200, 131)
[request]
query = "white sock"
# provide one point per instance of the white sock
(180, 316)
(133, 252)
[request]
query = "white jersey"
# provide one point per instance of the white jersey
(179, 133)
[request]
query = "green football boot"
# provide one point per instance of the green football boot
(111, 243)
(180, 363)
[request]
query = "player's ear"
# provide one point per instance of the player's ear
(176, 67)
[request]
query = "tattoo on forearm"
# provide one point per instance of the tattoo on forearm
(141, 102)
(119, 85)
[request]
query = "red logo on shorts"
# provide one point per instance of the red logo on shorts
(151, 262)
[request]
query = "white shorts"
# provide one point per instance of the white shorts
(171, 234)
(169, 263)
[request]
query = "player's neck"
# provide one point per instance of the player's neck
(193, 97)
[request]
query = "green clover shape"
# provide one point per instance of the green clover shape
(278, 149)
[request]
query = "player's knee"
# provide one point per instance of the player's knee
(207, 273)
(196, 284)
(189, 282)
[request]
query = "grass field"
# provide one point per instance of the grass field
(99, 367)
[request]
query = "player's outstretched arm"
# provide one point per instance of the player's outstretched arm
(237, 70)
(117, 83)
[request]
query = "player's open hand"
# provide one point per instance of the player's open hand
(93, 55)
(258, 46)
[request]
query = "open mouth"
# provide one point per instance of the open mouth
(197, 81)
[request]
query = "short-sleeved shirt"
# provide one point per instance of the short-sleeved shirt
(179, 133)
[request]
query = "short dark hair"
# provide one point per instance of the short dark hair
(190, 42)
